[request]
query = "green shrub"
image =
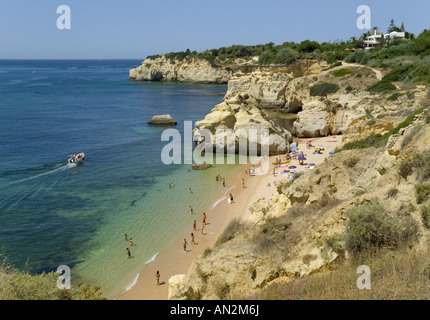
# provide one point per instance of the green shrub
(286, 56)
(382, 86)
(422, 191)
(394, 96)
(308, 46)
(230, 231)
(323, 89)
(421, 163)
(425, 215)
(335, 243)
(342, 72)
(370, 226)
(405, 170)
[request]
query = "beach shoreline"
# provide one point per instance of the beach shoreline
(173, 260)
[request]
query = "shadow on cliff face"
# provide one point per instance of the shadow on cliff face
(284, 120)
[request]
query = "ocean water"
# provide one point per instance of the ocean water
(55, 214)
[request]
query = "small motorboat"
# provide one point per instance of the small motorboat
(77, 158)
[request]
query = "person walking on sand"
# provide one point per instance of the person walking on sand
(195, 226)
(229, 200)
(128, 253)
(204, 218)
(243, 183)
(203, 229)
(223, 182)
(192, 239)
(157, 276)
(185, 245)
(231, 197)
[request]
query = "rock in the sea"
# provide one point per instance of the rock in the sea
(201, 166)
(164, 119)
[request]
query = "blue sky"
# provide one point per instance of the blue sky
(128, 29)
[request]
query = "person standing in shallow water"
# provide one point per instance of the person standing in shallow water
(185, 245)
(192, 239)
(128, 253)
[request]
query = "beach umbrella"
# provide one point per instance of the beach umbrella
(331, 152)
(312, 164)
(292, 167)
(302, 158)
(310, 141)
(293, 148)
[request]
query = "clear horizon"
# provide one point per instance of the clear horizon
(135, 29)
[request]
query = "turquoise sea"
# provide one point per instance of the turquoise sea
(55, 214)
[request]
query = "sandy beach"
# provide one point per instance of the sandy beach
(174, 260)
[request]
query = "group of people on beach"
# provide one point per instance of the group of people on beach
(130, 242)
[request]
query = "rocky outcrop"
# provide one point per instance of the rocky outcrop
(203, 166)
(188, 70)
(239, 114)
(164, 119)
(273, 87)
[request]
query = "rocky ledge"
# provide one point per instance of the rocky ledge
(164, 119)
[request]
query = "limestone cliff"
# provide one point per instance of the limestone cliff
(240, 113)
(299, 230)
(188, 70)
(351, 111)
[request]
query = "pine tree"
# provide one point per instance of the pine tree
(391, 27)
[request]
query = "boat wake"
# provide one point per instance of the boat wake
(62, 168)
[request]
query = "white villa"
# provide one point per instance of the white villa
(375, 38)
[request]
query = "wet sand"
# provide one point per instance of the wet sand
(174, 260)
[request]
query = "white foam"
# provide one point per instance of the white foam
(218, 201)
(152, 258)
(232, 187)
(132, 284)
(223, 197)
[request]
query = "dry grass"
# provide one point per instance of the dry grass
(400, 275)
(21, 285)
